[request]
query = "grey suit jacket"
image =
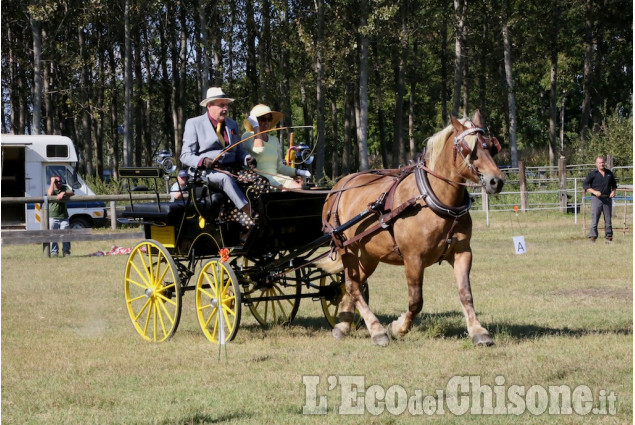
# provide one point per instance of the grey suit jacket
(200, 141)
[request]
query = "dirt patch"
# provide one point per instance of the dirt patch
(621, 293)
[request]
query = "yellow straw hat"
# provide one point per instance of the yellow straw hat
(260, 110)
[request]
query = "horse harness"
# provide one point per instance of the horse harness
(385, 211)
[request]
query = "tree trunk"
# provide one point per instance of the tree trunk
(553, 97)
(509, 78)
(114, 116)
(37, 75)
(138, 102)
(178, 127)
(355, 154)
(49, 112)
(14, 99)
(335, 152)
(166, 89)
(444, 71)
(284, 65)
(306, 113)
(319, 148)
(460, 7)
(128, 131)
(411, 121)
(267, 81)
(98, 124)
(86, 111)
(381, 116)
(147, 115)
(588, 59)
(362, 125)
(398, 144)
(252, 60)
(482, 75)
(348, 123)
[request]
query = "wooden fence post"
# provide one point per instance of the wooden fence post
(562, 176)
(46, 247)
(113, 215)
(485, 200)
(524, 196)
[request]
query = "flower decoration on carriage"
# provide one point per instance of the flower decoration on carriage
(224, 254)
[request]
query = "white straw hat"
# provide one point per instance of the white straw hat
(215, 93)
(260, 110)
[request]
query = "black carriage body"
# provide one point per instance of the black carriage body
(286, 221)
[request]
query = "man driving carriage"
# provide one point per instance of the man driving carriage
(206, 140)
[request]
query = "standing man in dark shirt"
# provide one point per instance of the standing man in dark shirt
(601, 184)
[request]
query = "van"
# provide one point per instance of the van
(28, 163)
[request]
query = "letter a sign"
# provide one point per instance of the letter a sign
(519, 245)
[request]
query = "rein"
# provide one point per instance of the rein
(232, 146)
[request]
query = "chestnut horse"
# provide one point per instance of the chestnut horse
(430, 222)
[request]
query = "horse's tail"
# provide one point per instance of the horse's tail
(331, 263)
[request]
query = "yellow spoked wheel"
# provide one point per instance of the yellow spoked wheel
(333, 294)
(275, 302)
(218, 301)
(152, 289)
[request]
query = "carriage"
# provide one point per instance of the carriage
(189, 246)
(415, 216)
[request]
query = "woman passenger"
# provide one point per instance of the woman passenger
(266, 148)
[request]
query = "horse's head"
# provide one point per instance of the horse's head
(475, 151)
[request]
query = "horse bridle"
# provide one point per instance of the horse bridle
(463, 149)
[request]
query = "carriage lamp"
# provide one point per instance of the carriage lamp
(166, 162)
(303, 155)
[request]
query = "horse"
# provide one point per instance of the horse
(421, 218)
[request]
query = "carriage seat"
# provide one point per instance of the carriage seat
(172, 211)
(155, 211)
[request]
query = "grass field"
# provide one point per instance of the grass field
(561, 315)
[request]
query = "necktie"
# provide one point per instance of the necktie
(219, 133)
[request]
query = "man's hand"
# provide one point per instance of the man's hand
(209, 163)
(61, 196)
(251, 162)
(303, 173)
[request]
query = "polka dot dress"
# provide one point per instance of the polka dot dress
(253, 185)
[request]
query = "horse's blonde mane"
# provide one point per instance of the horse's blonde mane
(437, 142)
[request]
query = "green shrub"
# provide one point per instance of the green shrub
(614, 137)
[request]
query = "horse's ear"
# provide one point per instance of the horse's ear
(456, 124)
(476, 119)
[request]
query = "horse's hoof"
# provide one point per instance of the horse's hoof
(381, 339)
(338, 333)
(482, 339)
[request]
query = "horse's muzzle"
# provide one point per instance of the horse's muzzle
(493, 184)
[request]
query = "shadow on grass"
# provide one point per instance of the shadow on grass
(451, 324)
(199, 418)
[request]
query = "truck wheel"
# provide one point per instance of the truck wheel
(80, 223)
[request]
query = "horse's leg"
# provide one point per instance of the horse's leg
(462, 265)
(357, 271)
(414, 276)
(347, 304)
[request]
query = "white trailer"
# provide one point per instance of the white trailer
(28, 163)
